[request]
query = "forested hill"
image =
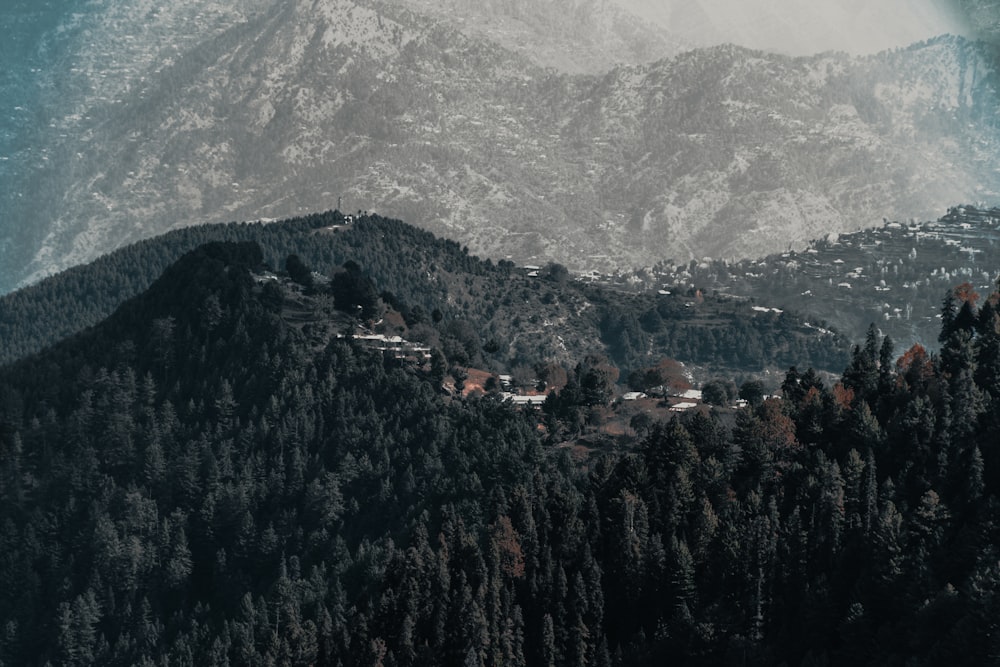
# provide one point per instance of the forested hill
(895, 275)
(512, 317)
(195, 481)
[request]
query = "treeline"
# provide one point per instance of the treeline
(41, 314)
(519, 318)
(191, 483)
(712, 330)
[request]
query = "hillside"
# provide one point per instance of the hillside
(717, 151)
(896, 275)
(516, 319)
(196, 480)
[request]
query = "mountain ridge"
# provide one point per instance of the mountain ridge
(490, 313)
(396, 112)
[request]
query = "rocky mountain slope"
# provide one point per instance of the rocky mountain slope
(721, 151)
(68, 68)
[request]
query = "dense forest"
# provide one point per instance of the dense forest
(194, 481)
(521, 319)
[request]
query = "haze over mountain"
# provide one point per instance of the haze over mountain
(982, 18)
(475, 122)
(804, 28)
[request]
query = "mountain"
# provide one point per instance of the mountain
(491, 315)
(282, 109)
(67, 66)
(205, 477)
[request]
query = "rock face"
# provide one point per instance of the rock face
(273, 109)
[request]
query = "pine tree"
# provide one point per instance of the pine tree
(550, 657)
(681, 566)
(975, 484)
(831, 507)
(887, 561)
(949, 310)
(853, 472)
(862, 374)
(869, 494)
(958, 360)
(179, 563)
(924, 535)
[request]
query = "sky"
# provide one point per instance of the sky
(802, 27)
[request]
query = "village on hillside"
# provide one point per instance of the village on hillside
(894, 275)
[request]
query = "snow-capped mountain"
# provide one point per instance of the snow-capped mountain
(266, 109)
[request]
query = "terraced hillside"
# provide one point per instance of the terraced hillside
(896, 275)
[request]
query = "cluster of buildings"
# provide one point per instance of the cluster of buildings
(396, 346)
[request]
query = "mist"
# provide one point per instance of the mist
(793, 27)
